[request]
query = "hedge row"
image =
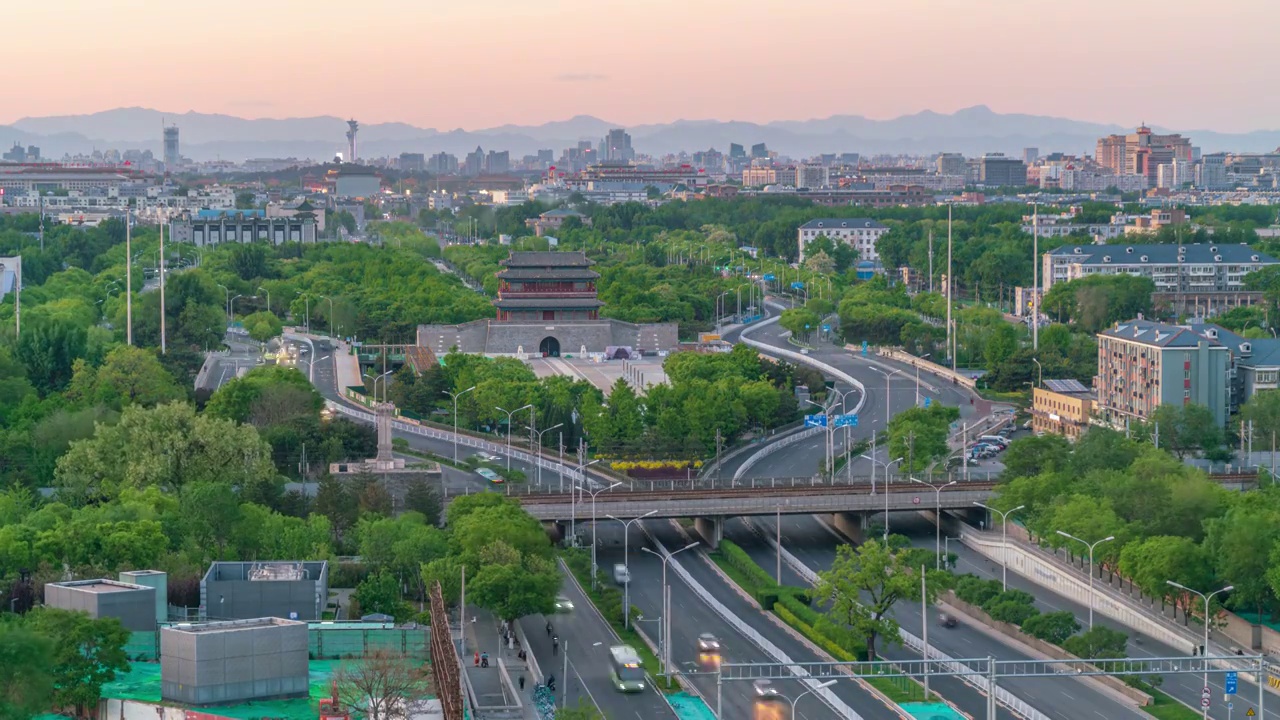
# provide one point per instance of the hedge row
(810, 632)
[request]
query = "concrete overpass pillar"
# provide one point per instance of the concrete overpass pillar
(711, 529)
(851, 525)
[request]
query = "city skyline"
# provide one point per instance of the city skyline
(445, 66)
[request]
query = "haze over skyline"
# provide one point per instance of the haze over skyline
(483, 64)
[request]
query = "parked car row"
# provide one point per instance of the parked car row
(988, 446)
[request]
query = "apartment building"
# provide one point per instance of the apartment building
(1062, 407)
(1143, 365)
(1196, 268)
(859, 233)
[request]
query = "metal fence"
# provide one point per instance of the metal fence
(324, 642)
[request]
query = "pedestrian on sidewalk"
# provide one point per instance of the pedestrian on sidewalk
(521, 681)
(477, 658)
(549, 628)
(555, 644)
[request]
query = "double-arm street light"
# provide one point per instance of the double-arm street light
(593, 494)
(937, 516)
(666, 604)
(1204, 649)
(232, 304)
(538, 450)
(888, 406)
(1091, 546)
(384, 386)
(626, 560)
(886, 465)
(510, 414)
(573, 496)
(453, 395)
(1004, 539)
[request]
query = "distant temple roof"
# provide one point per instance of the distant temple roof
(547, 260)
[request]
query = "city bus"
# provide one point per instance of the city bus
(625, 669)
(490, 475)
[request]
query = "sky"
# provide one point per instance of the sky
(1185, 64)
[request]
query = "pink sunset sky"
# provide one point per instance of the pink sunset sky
(1187, 64)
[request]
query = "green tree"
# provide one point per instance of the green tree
(380, 593)
(1054, 627)
(26, 672)
(1097, 642)
(262, 325)
(864, 584)
(211, 512)
(1030, 456)
(1187, 429)
(87, 653)
(48, 348)
(1152, 562)
(1263, 410)
(1240, 545)
(133, 376)
(513, 590)
(800, 322)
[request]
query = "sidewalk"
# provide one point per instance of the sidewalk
(492, 691)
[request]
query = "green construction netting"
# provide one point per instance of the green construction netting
(931, 711)
(142, 683)
(688, 707)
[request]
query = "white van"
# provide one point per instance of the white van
(1002, 442)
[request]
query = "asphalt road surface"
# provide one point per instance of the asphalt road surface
(1062, 699)
(585, 640)
(691, 617)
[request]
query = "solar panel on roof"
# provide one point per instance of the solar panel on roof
(1066, 386)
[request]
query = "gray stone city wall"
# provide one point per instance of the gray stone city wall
(136, 609)
(246, 599)
(232, 666)
(498, 338)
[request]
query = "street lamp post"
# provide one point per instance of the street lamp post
(922, 357)
(453, 395)
(1004, 540)
(886, 465)
(233, 302)
(228, 291)
(326, 297)
(307, 300)
(1040, 368)
(811, 690)
(888, 406)
(384, 386)
(626, 560)
(1204, 649)
(937, 516)
(268, 292)
(666, 605)
(573, 496)
(510, 415)
(593, 494)
(538, 449)
(829, 449)
(1091, 546)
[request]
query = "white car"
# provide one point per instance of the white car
(708, 643)
(486, 457)
(564, 604)
(764, 688)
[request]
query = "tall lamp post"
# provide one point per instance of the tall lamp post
(538, 449)
(593, 494)
(810, 691)
(1091, 546)
(829, 450)
(937, 516)
(384, 386)
(886, 465)
(666, 605)
(1204, 649)
(228, 291)
(510, 414)
(326, 297)
(232, 304)
(1004, 540)
(268, 292)
(922, 357)
(626, 560)
(888, 406)
(1041, 371)
(573, 496)
(453, 395)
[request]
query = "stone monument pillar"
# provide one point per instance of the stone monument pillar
(384, 413)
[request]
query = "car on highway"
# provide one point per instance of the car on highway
(947, 620)
(708, 643)
(485, 457)
(764, 688)
(490, 475)
(621, 574)
(563, 604)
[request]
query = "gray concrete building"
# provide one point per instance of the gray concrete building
(285, 589)
(152, 579)
(228, 662)
(133, 605)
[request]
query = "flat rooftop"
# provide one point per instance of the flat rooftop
(231, 625)
(100, 586)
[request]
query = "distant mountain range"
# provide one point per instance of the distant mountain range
(971, 131)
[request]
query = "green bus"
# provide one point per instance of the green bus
(625, 669)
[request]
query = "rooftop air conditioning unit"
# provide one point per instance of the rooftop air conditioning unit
(1217, 258)
(1143, 258)
(1129, 250)
(1213, 248)
(1106, 258)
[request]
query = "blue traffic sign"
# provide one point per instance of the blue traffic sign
(847, 420)
(826, 328)
(927, 401)
(1232, 682)
(815, 420)
(770, 277)
(797, 286)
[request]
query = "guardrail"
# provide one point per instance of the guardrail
(967, 674)
(675, 487)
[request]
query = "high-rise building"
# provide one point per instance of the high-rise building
(1211, 172)
(497, 163)
(736, 151)
(412, 162)
(474, 163)
(1141, 152)
(759, 151)
(442, 163)
(171, 155)
(952, 164)
(997, 170)
(1030, 155)
(812, 175)
(616, 147)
